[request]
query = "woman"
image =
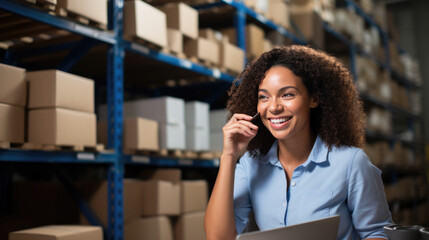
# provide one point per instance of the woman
(304, 159)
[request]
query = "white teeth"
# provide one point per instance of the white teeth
(281, 120)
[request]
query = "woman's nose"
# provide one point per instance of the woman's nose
(275, 106)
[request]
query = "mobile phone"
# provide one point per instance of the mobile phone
(255, 118)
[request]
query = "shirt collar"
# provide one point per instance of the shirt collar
(318, 154)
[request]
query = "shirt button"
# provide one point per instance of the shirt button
(293, 183)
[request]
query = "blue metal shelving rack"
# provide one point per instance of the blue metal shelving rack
(115, 86)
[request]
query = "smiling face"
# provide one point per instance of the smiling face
(284, 103)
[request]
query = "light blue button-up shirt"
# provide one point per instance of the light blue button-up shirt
(342, 182)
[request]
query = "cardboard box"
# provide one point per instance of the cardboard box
(153, 228)
(279, 10)
(218, 119)
(175, 40)
(162, 174)
(95, 10)
(194, 195)
(143, 21)
(183, 18)
(95, 193)
(12, 123)
(189, 226)
(260, 6)
(163, 109)
(311, 26)
(197, 139)
(160, 198)
(231, 57)
(13, 87)
(202, 49)
(172, 136)
(141, 134)
(138, 134)
(197, 114)
(53, 88)
(254, 40)
(59, 126)
(216, 141)
(59, 232)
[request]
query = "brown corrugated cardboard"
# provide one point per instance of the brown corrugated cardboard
(59, 232)
(53, 88)
(143, 21)
(12, 123)
(175, 40)
(153, 228)
(95, 10)
(183, 18)
(160, 198)
(254, 41)
(141, 134)
(194, 195)
(279, 10)
(189, 226)
(59, 126)
(310, 25)
(168, 174)
(96, 195)
(231, 57)
(202, 49)
(13, 87)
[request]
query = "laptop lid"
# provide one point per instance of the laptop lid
(322, 229)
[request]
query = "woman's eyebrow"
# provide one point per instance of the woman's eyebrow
(281, 89)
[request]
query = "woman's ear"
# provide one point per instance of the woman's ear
(314, 101)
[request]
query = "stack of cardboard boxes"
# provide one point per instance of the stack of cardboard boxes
(217, 122)
(13, 92)
(160, 207)
(197, 126)
(61, 109)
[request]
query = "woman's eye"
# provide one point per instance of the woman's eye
(262, 97)
(288, 95)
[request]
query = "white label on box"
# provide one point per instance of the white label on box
(140, 48)
(261, 18)
(140, 159)
(85, 156)
(185, 63)
(216, 73)
(185, 162)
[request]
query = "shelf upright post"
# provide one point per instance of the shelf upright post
(240, 26)
(353, 61)
(115, 83)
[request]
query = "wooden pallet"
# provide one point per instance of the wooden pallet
(229, 71)
(47, 5)
(146, 43)
(203, 62)
(78, 18)
(174, 153)
(52, 147)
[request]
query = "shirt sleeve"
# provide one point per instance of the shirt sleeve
(242, 206)
(366, 199)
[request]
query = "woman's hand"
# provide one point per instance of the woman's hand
(237, 134)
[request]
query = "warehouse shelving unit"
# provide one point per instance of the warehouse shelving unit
(117, 49)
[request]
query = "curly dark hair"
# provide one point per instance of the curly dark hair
(339, 118)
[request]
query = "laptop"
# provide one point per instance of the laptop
(322, 229)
